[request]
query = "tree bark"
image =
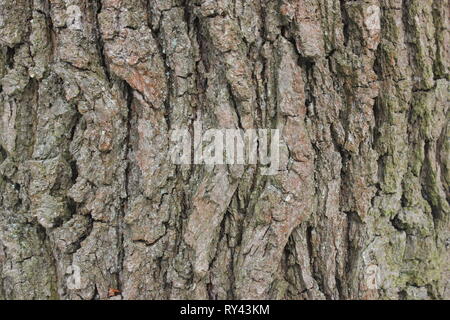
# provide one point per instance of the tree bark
(90, 91)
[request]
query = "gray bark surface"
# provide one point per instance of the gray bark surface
(90, 90)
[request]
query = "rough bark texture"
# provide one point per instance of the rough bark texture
(90, 90)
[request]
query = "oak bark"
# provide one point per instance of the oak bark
(91, 89)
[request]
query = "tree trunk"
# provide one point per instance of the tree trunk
(92, 207)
